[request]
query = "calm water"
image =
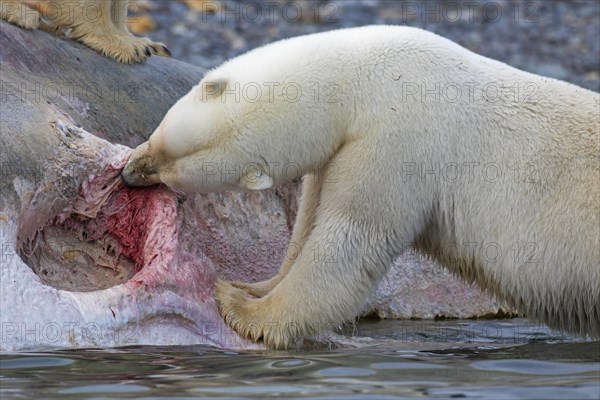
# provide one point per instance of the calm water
(507, 359)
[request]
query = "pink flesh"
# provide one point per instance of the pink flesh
(127, 258)
(144, 225)
(142, 220)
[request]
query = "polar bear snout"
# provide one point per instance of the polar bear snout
(136, 173)
(141, 169)
(133, 179)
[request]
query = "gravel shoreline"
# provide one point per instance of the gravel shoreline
(560, 39)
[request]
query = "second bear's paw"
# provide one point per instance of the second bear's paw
(125, 49)
(254, 319)
(155, 48)
(19, 14)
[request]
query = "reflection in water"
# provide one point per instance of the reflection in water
(448, 359)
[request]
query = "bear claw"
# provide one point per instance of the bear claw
(256, 289)
(252, 318)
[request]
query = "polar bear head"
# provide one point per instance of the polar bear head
(245, 134)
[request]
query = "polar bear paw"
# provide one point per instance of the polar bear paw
(254, 319)
(19, 14)
(126, 49)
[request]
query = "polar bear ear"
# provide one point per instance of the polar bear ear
(213, 87)
(257, 180)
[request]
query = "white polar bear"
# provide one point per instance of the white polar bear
(403, 138)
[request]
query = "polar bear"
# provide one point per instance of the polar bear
(99, 24)
(403, 138)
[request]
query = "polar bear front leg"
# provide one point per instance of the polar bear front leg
(349, 247)
(91, 23)
(317, 292)
(309, 201)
